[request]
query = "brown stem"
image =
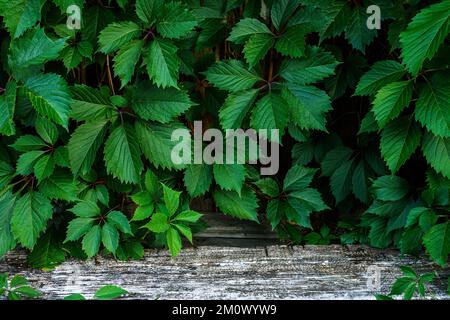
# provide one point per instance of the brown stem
(110, 79)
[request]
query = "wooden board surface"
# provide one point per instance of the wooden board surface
(210, 272)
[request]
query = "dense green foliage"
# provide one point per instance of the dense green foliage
(86, 118)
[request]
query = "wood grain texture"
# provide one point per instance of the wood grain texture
(208, 272)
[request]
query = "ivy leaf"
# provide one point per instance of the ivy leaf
(315, 66)
(188, 216)
(231, 75)
(50, 96)
(162, 105)
(341, 181)
(271, 112)
(85, 209)
(26, 162)
(47, 253)
(399, 139)
(246, 28)
(122, 155)
(437, 242)
(30, 216)
(424, 35)
(162, 63)
(59, 186)
(390, 188)
(91, 241)
(242, 207)
(282, 11)
(308, 106)
(7, 241)
(34, 48)
(298, 178)
(381, 74)
(236, 107)
(257, 47)
(391, 100)
(157, 144)
(7, 108)
(84, 144)
(46, 130)
(117, 34)
(292, 42)
(171, 199)
(268, 186)
(176, 21)
(149, 11)
(126, 59)
(90, 105)
(173, 241)
(185, 231)
(158, 223)
(198, 179)
(356, 31)
(433, 106)
(437, 152)
(110, 237)
(118, 220)
(44, 167)
(78, 227)
(20, 15)
(229, 176)
(109, 292)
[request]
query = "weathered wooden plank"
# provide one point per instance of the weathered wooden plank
(274, 272)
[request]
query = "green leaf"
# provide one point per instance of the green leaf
(316, 66)
(157, 144)
(292, 42)
(7, 242)
(59, 186)
(27, 143)
(109, 292)
(74, 297)
(414, 215)
(149, 11)
(437, 152)
(151, 182)
(173, 241)
(271, 112)
(308, 106)
(158, 223)
(357, 32)
(27, 291)
(282, 10)
(78, 227)
(91, 241)
(297, 178)
(126, 59)
(231, 75)
(7, 108)
(230, 176)
(437, 242)
(381, 74)
(117, 34)
(50, 96)
(143, 212)
(307, 200)
(176, 21)
(276, 210)
(90, 105)
(162, 105)
(257, 47)
(185, 231)
(84, 144)
(171, 199)
(46, 130)
(424, 35)
(44, 167)
(119, 221)
(391, 100)
(242, 207)
(399, 139)
(433, 106)
(26, 162)
(246, 28)
(341, 181)
(162, 63)
(122, 155)
(34, 48)
(268, 186)
(198, 179)
(390, 188)
(188, 216)
(30, 216)
(20, 15)
(236, 108)
(85, 209)
(47, 253)
(110, 237)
